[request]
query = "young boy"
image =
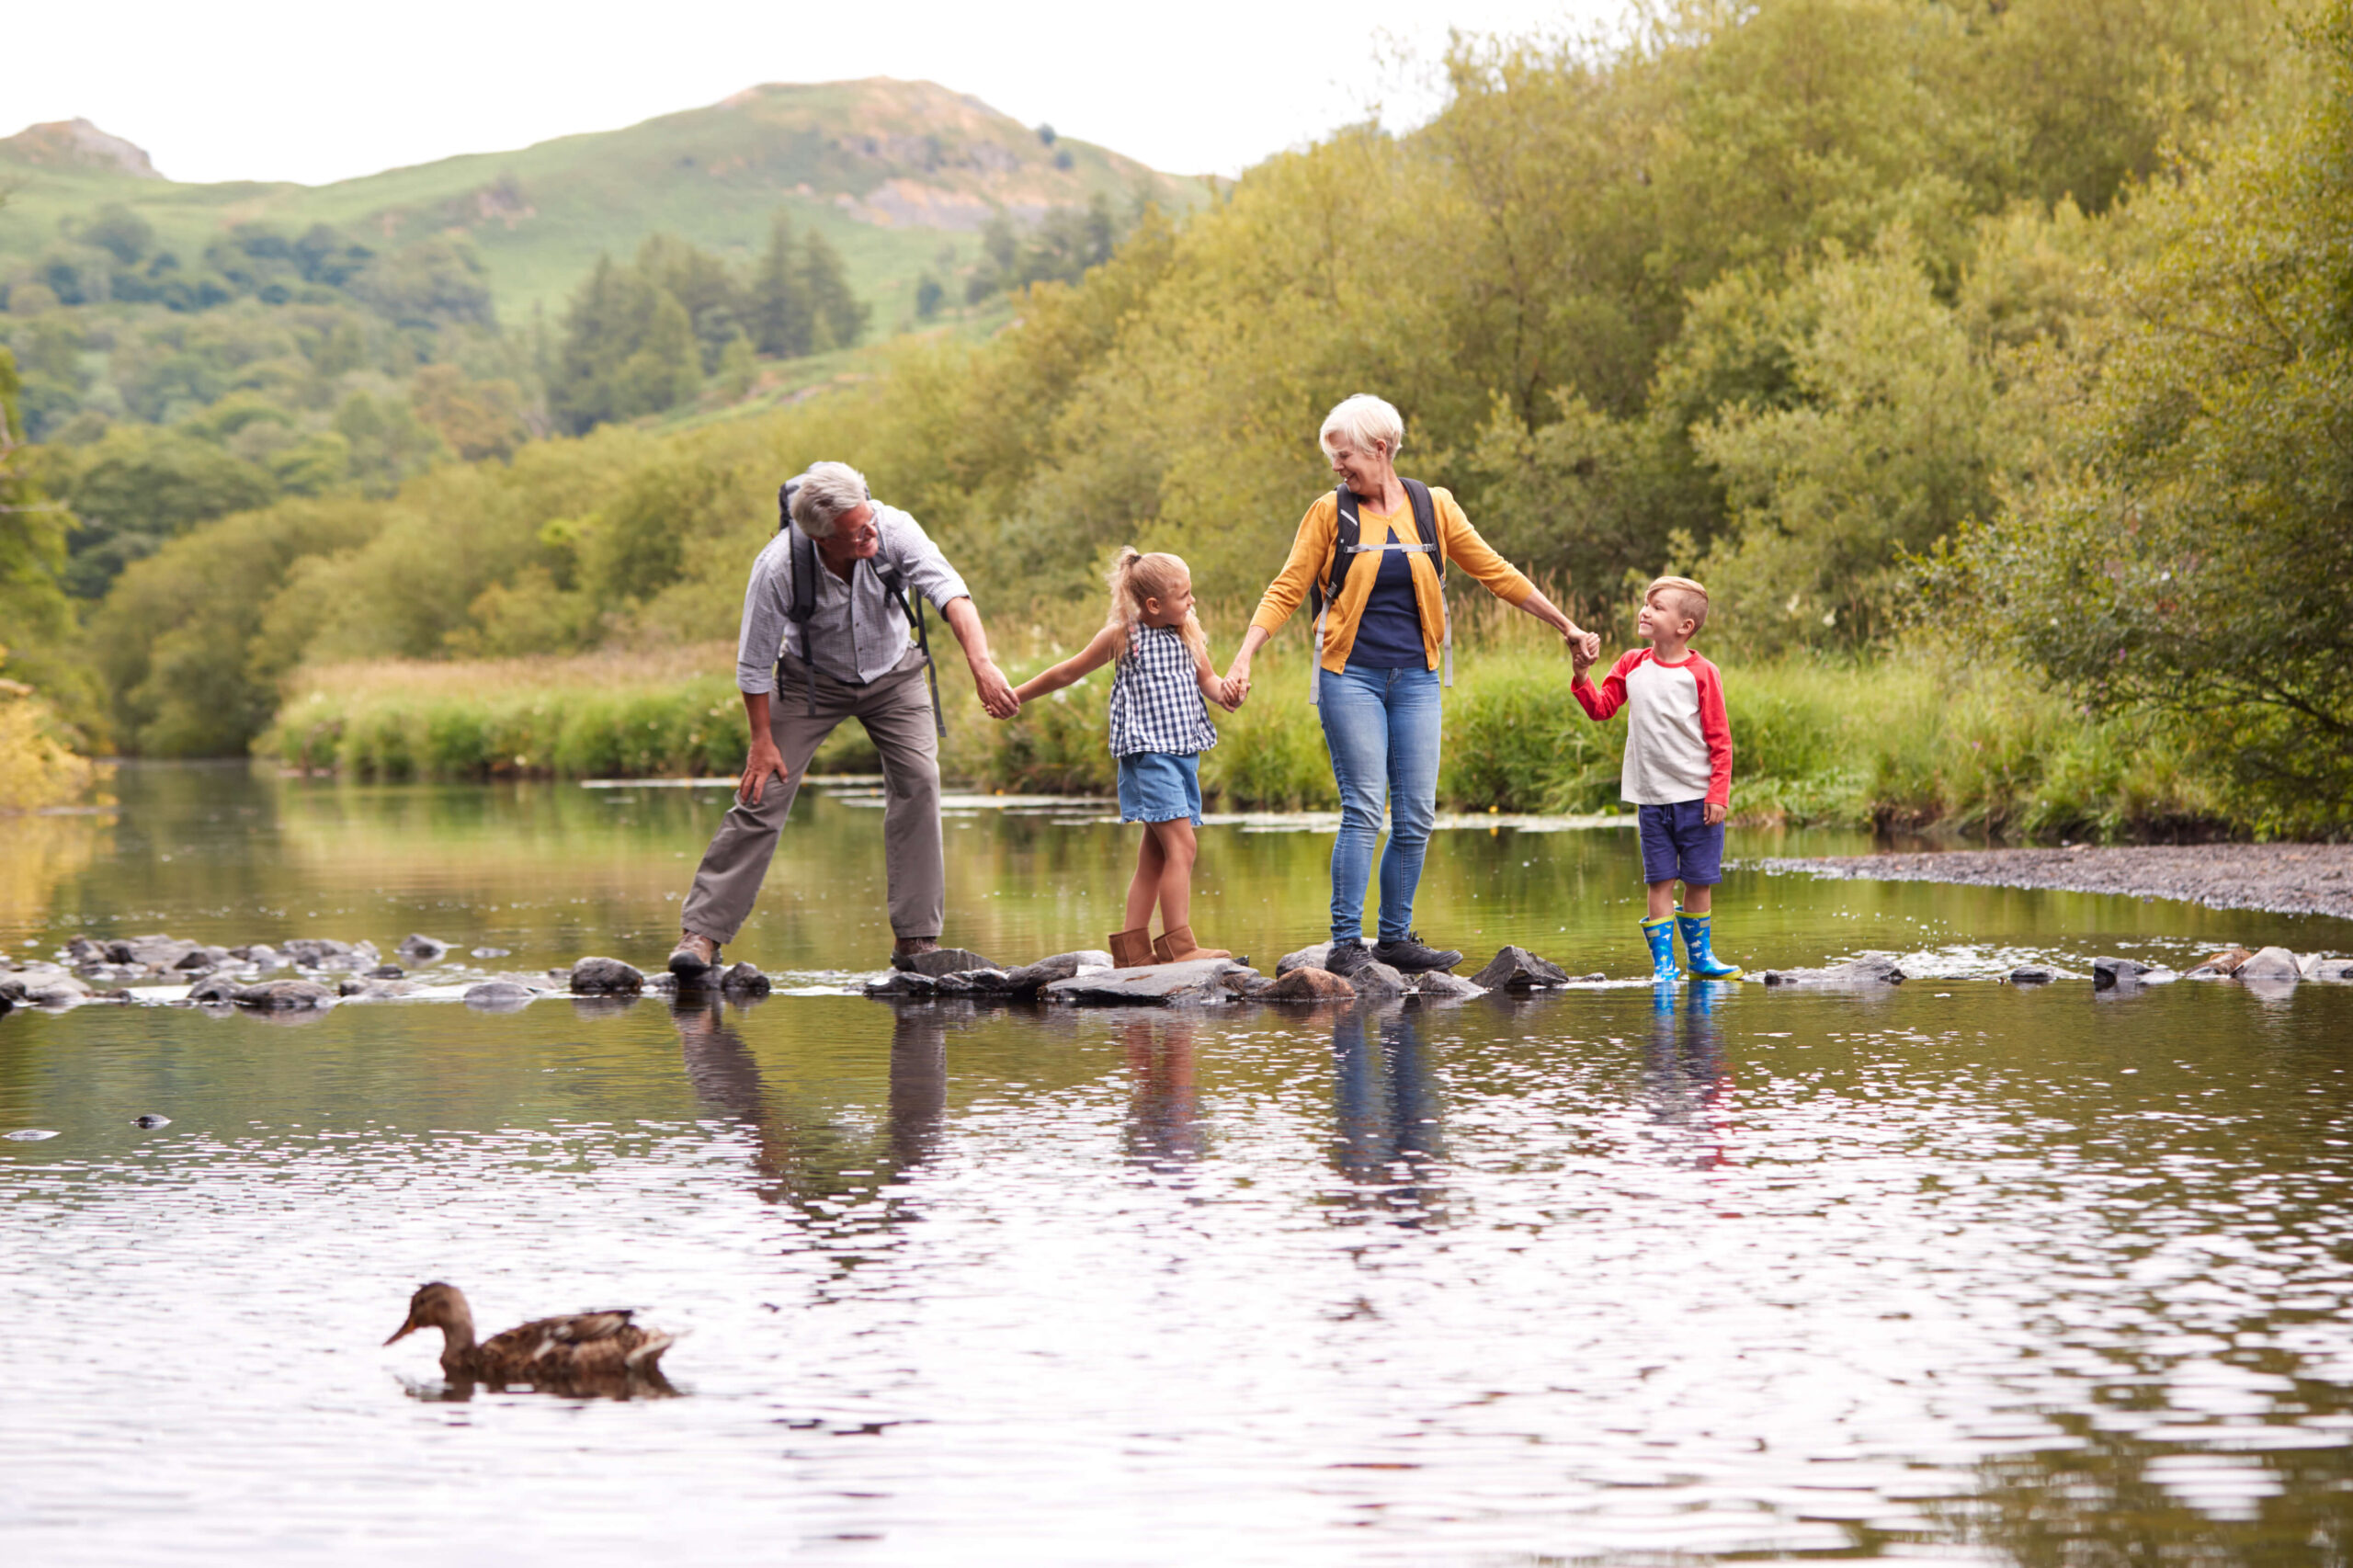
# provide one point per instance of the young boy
(1678, 767)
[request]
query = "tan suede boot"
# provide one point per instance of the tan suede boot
(1131, 949)
(1178, 947)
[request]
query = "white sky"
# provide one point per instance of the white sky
(313, 91)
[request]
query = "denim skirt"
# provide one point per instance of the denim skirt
(1160, 786)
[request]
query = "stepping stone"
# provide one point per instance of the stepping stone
(1437, 984)
(1315, 956)
(1191, 984)
(607, 977)
(1855, 974)
(1517, 969)
(1306, 982)
(1376, 981)
(946, 961)
(1030, 978)
(901, 984)
(744, 980)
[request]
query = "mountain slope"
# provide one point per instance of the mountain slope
(898, 175)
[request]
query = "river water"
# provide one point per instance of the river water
(1959, 1272)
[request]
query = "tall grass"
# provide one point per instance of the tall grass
(1924, 741)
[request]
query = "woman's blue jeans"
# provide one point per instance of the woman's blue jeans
(1383, 728)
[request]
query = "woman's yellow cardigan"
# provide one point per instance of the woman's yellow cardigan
(1310, 556)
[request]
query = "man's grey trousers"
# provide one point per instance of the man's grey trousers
(896, 712)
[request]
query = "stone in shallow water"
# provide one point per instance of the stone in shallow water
(361, 988)
(2271, 963)
(1517, 969)
(901, 984)
(2033, 974)
(499, 996)
(2108, 974)
(606, 977)
(2331, 969)
(150, 1122)
(217, 988)
(1437, 984)
(418, 947)
(744, 980)
(1306, 957)
(1030, 978)
(946, 961)
(284, 995)
(1871, 969)
(1376, 981)
(1306, 982)
(1190, 984)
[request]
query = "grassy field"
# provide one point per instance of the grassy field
(1915, 743)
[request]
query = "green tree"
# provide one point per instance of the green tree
(837, 316)
(782, 316)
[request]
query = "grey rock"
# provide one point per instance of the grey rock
(371, 990)
(1517, 969)
(284, 995)
(1307, 983)
(1376, 981)
(312, 951)
(539, 981)
(1062, 966)
(907, 984)
(2211, 972)
(661, 980)
(156, 950)
(946, 961)
(417, 947)
(386, 972)
(150, 1122)
(605, 977)
(1870, 969)
(2110, 973)
(217, 988)
(203, 958)
(744, 980)
(1191, 984)
(1246, 981)
(2332, 970)
(499, 996)
(2033, 974)
(1436, 982)
(990, 981)
(2271, 963)
(261, 955)
(81, 950)
(1306, 957)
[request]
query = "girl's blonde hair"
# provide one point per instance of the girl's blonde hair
(1135, 577)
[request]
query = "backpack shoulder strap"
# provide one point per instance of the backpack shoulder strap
(1347, 532)
(1425, 520)
(804, 579)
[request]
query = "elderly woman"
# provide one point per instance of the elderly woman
(1380, 633)
(826, 633)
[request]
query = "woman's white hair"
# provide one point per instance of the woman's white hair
(1364, 419)
(821, 496)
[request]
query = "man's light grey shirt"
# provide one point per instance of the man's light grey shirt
(858, 632)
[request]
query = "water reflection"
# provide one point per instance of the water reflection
(1163, 1129)
(808, 1160)
(1684, 1082)
(1389, 1136)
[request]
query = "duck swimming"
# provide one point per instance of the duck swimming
(585, 1347)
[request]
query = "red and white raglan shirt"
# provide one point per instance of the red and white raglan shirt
(1678, 743)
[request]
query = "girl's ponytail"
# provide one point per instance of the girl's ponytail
(1127, 602)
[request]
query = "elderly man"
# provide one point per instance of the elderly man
(846, 654)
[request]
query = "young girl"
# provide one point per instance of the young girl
(1159, 728)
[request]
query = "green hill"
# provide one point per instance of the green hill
(899, 175)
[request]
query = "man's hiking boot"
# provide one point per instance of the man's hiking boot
(1131, 949)
(694, 957)
(1346, 957)
(1178, 947)
(1408, 956)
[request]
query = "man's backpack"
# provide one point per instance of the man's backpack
(803, 607)
(1348, 544)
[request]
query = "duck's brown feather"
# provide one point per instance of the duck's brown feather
(578, 1345)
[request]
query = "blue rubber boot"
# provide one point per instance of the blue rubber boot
(1705, 965)
(1660, 935)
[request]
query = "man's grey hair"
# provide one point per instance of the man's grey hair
(822, 496)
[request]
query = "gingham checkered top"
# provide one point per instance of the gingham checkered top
(1156, 698)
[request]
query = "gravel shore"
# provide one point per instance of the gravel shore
(2286, 879)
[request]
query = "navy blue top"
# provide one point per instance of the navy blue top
(1389, 633)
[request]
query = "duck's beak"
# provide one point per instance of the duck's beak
(403, 1331)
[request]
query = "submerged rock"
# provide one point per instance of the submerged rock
(499, 996)
(1306, 983)
(283, 995)
(1871, 969)
(1517, 969)
(607, 977)
(418, 947)
(2033, 974)
(1190, 984)
(2271, 963)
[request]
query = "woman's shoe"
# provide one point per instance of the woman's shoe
(1705, 965)
(1131, 949)
(1178, 947)
(1660, 935)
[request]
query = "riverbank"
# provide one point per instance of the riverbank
(2283, 879)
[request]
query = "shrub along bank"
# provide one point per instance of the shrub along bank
(1923, 743)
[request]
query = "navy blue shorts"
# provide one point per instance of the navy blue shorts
(1678, 843)
(1160, 786)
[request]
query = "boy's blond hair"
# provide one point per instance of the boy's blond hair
(1694, 598)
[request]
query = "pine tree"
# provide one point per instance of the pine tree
(838, 317)
(780, 314)
(667, 370)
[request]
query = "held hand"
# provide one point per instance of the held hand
(1237, 685)
(1713, 813)
(764, 759)
(996, 695)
